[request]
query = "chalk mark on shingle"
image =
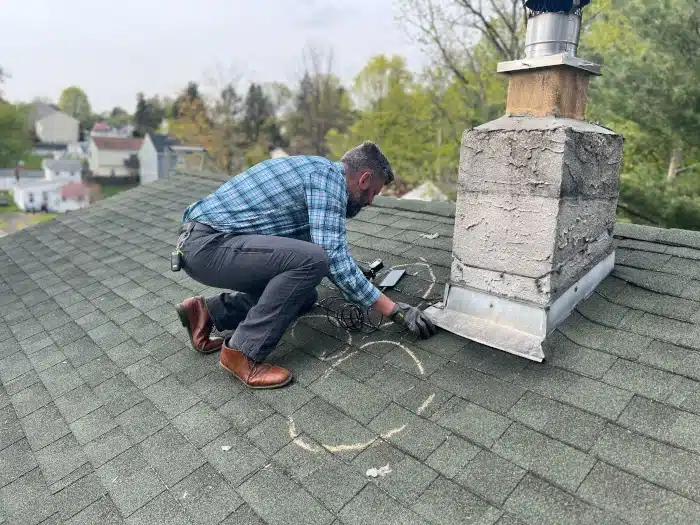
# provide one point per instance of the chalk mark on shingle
(409, 352)
(294, 434)
(426, 403)
(433, 279)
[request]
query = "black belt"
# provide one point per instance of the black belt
(196, 226)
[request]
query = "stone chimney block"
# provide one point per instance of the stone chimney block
(536, 205)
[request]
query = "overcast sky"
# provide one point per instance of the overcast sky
(113, 49)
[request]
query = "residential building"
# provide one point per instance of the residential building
(428, 191)
(12, 177)
(276, 153)
(160, 154)
(156, 158)
(56, 127)
(53, 196)
(100, 129)
(104, 129)
(66, 170)
(113, 156)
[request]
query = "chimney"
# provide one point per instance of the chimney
(537, 197)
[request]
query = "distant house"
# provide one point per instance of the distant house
(276, 153)
(78, 150)
(100, 129)
(427, 191)
(159, 155)
(112, 156)
(53, 196)
(156, 158)
(53, 126)
(66, 170)
(103, 129)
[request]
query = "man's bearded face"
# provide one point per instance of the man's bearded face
(356, 202)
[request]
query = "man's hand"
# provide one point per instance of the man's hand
(413, 319)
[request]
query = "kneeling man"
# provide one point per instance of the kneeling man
(271, 234)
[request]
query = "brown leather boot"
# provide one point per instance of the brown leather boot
(253, 373)
(194, 316)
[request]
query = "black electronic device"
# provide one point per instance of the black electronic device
(175, 261)
(374, 268)
(391, 279)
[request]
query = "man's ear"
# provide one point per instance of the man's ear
(365, 180)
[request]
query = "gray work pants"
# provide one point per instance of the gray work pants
(273, 280)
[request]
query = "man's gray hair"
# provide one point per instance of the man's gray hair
(368, 156)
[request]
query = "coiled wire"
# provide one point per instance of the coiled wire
(350, 316)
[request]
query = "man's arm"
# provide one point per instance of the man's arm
(326, 201)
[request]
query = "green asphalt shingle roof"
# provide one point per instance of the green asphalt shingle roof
(108, 416)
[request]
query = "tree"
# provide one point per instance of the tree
(148, 115)
(194, 125)
(118, 117)
(650, 92)
(320, 104)
(189, 94)
(228, 137)
(450, 29)
(14, 140)
(399, 115)
(258, 109)
(652, 73)
(74, 102)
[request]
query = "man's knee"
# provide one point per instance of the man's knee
(318, 261)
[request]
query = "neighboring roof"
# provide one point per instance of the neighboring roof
(428, 191)
(117, 143)
(51, 146)
(10, 172)
(101, 126)
(39, 110)
(62, 164)
(160, 141)
(277, 153)
(59, 115)
(74, 189)
(107, 411)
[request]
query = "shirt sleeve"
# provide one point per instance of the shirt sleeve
(326, 198)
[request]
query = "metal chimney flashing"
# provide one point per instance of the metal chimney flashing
(510, 325)
(549, 61)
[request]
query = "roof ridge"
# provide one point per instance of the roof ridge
(665, 236)
(441, 208)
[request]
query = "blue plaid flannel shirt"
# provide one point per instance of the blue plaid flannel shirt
(303, 197)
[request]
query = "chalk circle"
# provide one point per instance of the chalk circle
(337, 448)
(402, 347)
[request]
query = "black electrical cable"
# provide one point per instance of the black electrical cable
(351, 316)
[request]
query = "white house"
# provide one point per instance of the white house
(57, 128)
(66, 170)
(53, 196)
(277, 153)
(109, 155)
(427, 191)
(103, 129)
(156, 158)
(159, 155)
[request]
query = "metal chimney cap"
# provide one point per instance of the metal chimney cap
(555, 6)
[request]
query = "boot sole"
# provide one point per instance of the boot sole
(271, 387)
(182, 314)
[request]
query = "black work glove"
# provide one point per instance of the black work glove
(413, 319)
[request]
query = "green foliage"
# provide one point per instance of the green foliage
(650, 93)
(148, 115)
(74, 102)
(320, 104)
(14, 139)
